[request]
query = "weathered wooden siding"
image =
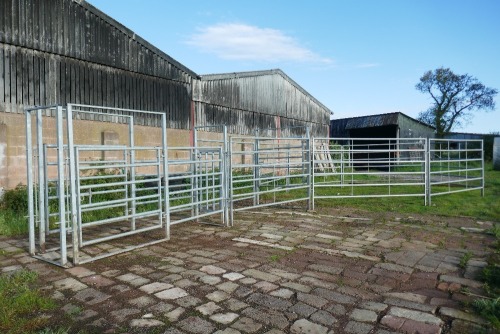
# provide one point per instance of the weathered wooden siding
(76, 29)
(252, 100)
(61, 51)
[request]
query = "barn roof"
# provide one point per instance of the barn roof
(370, 121)
(237, 75)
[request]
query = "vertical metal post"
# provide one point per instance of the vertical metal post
(230, 183)
(224, 178)
(310, 201)
(46, 190)
(165, 175)
(256, 171)
(132, 171)
(41, 179)
(60, 184)
(72, 175)
(29, 178)
(159, 185)
(311, 172)
(194, 176)
(427, 171)
(342, 164)
(482, 168)
(79, 219)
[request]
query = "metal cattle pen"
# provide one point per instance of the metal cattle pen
(90, 199)
(84, 185)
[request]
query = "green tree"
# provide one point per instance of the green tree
(454, 99)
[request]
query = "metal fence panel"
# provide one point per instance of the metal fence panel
(455, 165)
(268, 171)
(368, 167)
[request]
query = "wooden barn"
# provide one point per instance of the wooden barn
(262, 100)
(68, 51)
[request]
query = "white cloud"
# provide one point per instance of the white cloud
(236, 41)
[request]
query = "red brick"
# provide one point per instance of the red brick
(454, 287)
(416, 327)
(392, 322)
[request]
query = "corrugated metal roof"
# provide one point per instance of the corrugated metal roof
(376, 120)
(372, 121)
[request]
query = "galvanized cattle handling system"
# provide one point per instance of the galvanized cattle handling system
(89, 199)
(77, 188)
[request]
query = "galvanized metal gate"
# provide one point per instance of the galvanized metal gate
(369, 167)
(74, 187)
(268, 171)
(455, 165)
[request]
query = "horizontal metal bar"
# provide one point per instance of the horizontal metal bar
(349, 185)
(121, 218)
(127, 249)
(192, 218)
(455, 191)
(456, 181)
(121, 235)
(272, 204)
(76, 106)
(448, 171)
(370, 196)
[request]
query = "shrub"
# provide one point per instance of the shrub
(16, 200)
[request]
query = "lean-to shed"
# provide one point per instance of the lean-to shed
(390, 125)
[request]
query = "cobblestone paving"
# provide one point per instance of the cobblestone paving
(275, 272)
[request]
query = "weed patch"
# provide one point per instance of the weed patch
(21, 306)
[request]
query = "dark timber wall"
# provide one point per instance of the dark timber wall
(259, 100)
(61, 51)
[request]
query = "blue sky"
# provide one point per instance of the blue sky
(358, 57)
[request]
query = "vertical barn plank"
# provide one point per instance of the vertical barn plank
(19, 78)
(51, 79)
(36, 80)
(22, 22)
(2, 78)
(15, 23)
(8, 77)
(3, 20)
(31, 83)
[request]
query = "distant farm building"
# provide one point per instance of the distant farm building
(390, 125)
(67, 51)
(383, 132)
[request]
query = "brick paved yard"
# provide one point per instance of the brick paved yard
(278, 271)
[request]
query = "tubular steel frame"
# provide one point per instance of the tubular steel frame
(215, 177)
(71, 192)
